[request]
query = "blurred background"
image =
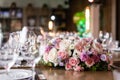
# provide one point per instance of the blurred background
(82, 16)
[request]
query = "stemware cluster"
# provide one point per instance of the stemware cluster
(8, 56)
(106, 38)
(108, 42)
(21, 46)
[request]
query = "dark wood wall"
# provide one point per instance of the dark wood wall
(75, 6)
(118, 20)
(79, 5)
(107, 11)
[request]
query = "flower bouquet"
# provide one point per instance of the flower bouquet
(74, 53)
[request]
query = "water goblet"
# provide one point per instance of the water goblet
(7, 59)
(30, 52)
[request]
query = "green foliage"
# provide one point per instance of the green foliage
(100, 66)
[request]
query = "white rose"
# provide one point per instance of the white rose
(42, 50)
(45, 57)
(64, 44)
(71, 37)
(52, 56)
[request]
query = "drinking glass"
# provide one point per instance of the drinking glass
(106, 39)
(30, 51)
(8, 58)
(115, 44)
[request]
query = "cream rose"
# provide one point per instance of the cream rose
(64, 44)
(52, 56)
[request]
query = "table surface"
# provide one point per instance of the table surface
(61, 74)
(51, 73)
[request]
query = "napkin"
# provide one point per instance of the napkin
(23, 35)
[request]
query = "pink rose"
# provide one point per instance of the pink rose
(95, 58)
(62, 54)
(78, 68)
(73, 61)
(57, 45)
(87, 39)
(48, 48)
(79, 46)
(68, 66)
(89, 62)
(57, 42)
(84, 56)
(95, 52)
(97, 46)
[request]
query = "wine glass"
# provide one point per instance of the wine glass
(30, 51)
(8, 58)
(106, 39)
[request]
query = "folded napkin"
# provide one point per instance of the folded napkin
(23, 35)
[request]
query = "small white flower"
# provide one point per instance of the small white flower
(76, 53)
(103, 57)
(72, 46)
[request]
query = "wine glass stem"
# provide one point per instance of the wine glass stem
(7, 71)
(33, 71)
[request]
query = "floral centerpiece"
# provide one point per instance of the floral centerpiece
(74, 53)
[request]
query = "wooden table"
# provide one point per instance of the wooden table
(51, 73)
(61, 74)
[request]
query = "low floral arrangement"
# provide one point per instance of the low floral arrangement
(74, 53)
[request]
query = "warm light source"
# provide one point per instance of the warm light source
(87, 15)
(91, 1)
(52, 17)
(50, 25)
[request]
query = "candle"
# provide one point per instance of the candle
(50, 25)
(87, 15)
(91, 1)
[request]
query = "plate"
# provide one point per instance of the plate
(116, 49)
(15, 74)
(116, 65)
